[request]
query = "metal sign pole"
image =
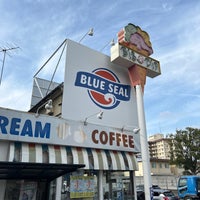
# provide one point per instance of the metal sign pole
(132, 51)
(144, 143)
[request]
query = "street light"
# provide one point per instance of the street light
(99, 115)
(90, 33)
(111, 43)
(133, 129)
(47, 105)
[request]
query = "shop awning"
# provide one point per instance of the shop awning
(96, 159)
(35, 171)
(99, 159)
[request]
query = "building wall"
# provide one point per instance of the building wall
(162, 174)
(158, 167)
(163, 181)
(159, 148)
(157, 136)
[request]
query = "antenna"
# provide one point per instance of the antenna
(4, 50)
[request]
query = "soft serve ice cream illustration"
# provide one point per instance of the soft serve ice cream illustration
(79, 135)
(63, 130)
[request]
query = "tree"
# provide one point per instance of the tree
(185, 149)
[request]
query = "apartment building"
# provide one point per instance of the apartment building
(162, 173)
(159, 146)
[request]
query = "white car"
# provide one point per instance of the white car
(162, 194)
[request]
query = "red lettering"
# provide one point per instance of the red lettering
(118, 138)
(125, 140)
(112, 138)
(131, 141)
(93, 136)
(103, 137)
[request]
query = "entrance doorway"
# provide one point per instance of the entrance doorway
(25, 190)
(27, 181)
(118, 186)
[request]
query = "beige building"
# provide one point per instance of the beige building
(162, 173)
(159, 146)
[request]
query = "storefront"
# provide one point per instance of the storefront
(36, 164)
(32, 169)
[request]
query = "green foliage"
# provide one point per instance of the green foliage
(185, 149)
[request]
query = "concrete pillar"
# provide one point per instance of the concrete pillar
(100, 184)
(58, 188)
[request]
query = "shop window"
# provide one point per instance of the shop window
(153, 165)
(52, 191)
(166, 165)
(21, 189)
(12, 190)
(80, 185)
(117, 185)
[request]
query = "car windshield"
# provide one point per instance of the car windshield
(155, 187)
(140, 187)
(168, 194)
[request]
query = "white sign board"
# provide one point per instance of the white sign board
(126, 57)
(26, 127)
(93, 83)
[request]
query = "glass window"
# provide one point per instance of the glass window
(198, 184)
(166, 165)
(153, 165)
(182, 182)
(80, 185)
(52, 190)
(21, 189)
(116, 185)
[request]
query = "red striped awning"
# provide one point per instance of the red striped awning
(96, 159)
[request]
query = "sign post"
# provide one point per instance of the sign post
(133, 51)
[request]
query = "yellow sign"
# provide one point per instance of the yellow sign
(81, 187)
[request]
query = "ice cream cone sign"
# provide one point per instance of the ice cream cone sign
(132, 51)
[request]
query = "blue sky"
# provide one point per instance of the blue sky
(172, 100)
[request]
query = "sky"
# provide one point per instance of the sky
(37, 27)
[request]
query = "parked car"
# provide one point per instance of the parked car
(141, 187)
(163, 194)
(141, 193)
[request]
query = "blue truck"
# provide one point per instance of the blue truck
(189, 187)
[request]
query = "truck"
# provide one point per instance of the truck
(189, 187)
